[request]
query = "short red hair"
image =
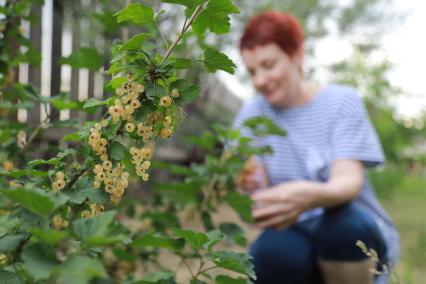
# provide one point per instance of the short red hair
(273, 27)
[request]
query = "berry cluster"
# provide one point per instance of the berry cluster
(3, 259)
(128, 101)
(98, 143)
(115, 179)
(145, 131)
(59, 223)
(59, 182)
(95, 210)
(140, 158)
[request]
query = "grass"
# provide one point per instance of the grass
(405, 200)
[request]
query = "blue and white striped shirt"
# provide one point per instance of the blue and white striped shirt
(333, 125)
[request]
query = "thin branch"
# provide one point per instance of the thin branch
(75, 178)
(185, 27)
(207, 269)
(163, 38)
(189, 268)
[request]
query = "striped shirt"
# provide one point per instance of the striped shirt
(333, 125)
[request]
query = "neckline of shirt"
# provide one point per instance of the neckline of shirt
(296, 108)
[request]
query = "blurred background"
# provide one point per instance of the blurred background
(374, 45)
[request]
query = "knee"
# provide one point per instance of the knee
(282, 255)
(339, 231)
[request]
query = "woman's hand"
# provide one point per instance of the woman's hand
(281, 205)
(253, 176)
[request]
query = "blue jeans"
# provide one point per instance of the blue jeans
(290, 256)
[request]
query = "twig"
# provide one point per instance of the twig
(163, 38)
(189, 268)
(185, 27)
(75, 178)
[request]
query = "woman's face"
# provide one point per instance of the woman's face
(275, 75)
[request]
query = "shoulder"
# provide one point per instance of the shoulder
(345, 99)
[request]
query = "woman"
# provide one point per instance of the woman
(313, 198)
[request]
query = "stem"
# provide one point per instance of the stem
(207, 269)
(75, 178)
(18, 273)
(185, 27)
(163, 38)
(189, 268)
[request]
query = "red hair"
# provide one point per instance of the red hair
(273, 27)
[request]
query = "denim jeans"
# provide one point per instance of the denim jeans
(291, 256)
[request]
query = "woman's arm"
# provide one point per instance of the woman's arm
(345, 183)
(281, 205)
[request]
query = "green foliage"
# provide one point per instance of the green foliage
(85, 57)
(215, 17)
(137, 13)
(215, 60)
(62, 219)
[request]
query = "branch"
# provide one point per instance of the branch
(75, 178)
(185, 27)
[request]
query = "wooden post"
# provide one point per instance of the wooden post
(34, 72)
(76, 34)
(55, 81)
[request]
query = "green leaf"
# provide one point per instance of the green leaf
(10, 242)
(39, 261)
(135, 43)
(7, 277)
(188, 92)
(263, 126)
(188, 3)
(172, 168)
(71, 137)
(182, 193)
(99, 230)
(160, 277)
(92, 102)
(20, 173)
(84, 190)
(154, 91)
(238, 262)
(85, 57)
(48, 236)
(233, 233)
(8, 224)
(155, 241)
(215, 17)
(194, 239)
(223, 279)
(36, 200)
(215, 237)
(136, 13)
(182, 63)
(108, 21)
(117, 151)
(80, 270)
(62, 102)
(207, 140)
(117, 82)
(14, 106)
(37, 162)
(241, 203)
(215, 60)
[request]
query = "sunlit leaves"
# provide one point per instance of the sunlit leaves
(135, 12)
(36, 200)
(215, 17)
(215, 60)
